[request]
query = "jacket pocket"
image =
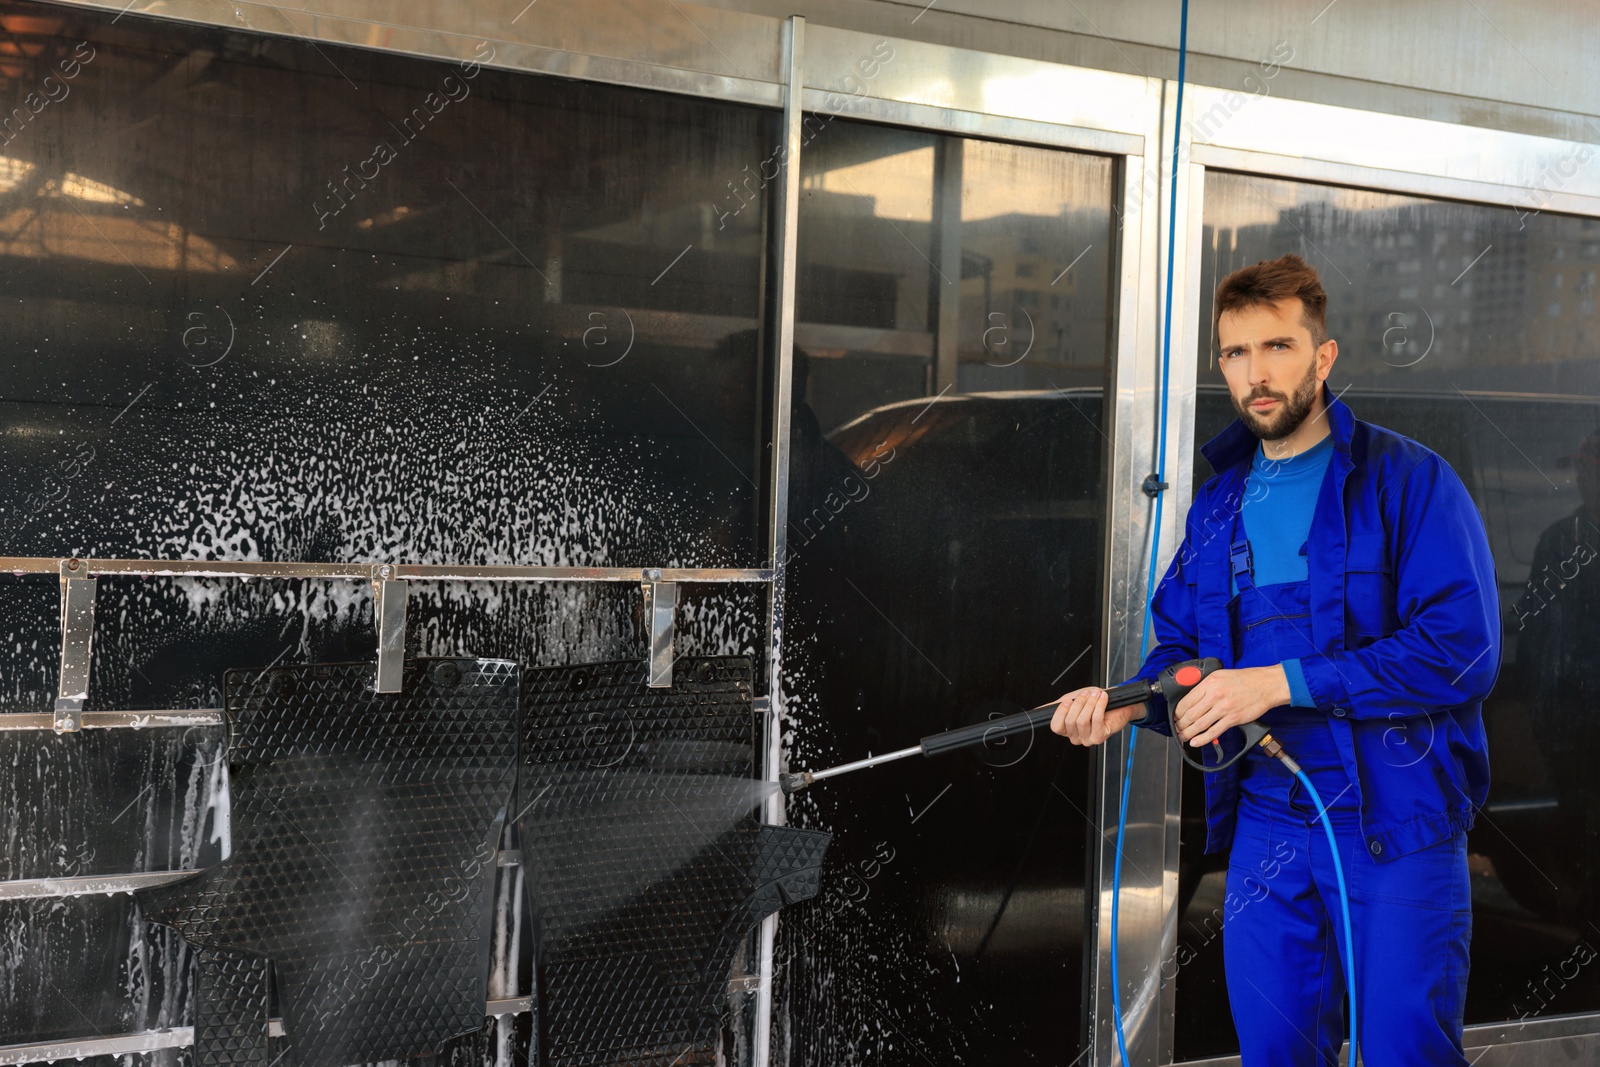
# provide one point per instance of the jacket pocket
(1369, 591)
(1214, 610)
(1434, 877)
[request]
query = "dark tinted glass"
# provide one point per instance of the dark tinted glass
(453, 315)
(1473, 330)
(270, 300)
(944, 553)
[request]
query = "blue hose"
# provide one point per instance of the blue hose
(1155, 541)
(1344, 901)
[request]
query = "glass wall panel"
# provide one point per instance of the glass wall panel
(266, 299)
(945, 537)
(1473, 330)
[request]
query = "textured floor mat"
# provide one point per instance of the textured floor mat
(645, 870)
(365, 828)
(232, 995)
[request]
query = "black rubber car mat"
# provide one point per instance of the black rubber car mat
(232, 995)
(644, 868)
(365, 829)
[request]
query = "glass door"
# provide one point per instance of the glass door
(1471, 329)
(945, 541)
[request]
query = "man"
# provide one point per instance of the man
(1342, 575)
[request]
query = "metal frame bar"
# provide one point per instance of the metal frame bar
(419, 572)
(390, 585)
(1149, 902)
(1269, 164)
(660, 613)
(1181, 405)
(1143, 193)
(967, 92)
(944, 284)
(95, 884)
(588, 56)
(936, 119)
(389, 605)
(88, 885)
(113, 720)
(1025, 100)
(77, 645)
(176, 1037)
(1478, 1036)
(786, 238)
(1131, 456)
(183, 1036)
(1422, 157)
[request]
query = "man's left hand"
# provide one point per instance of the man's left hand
(1228, 698)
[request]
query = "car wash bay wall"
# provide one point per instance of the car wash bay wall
(287, 313)
(295, 300)
(1502, 64)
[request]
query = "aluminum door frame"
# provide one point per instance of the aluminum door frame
(1147, 910)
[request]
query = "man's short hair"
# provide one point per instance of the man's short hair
(1270, 282)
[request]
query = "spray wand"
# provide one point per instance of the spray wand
(1173, 684)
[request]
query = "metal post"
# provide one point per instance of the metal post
(77, 645)
(390, 607)
(660, 615)
(945, 284)
(1148, 929)
(788, 216)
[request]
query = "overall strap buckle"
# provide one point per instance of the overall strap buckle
(1239, 554)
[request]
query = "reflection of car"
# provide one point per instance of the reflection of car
(987, 551)
(1001, 495)
(959, 580)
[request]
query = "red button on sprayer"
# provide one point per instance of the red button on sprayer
(1188, 677)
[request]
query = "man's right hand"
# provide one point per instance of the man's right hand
(1081, 716)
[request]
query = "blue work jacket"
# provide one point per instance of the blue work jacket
(1405, 617)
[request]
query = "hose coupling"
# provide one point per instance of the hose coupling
(1269, 744)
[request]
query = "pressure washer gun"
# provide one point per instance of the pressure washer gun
(1174, 684)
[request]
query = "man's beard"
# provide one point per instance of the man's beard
(1292, 410)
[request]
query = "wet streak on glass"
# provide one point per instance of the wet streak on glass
(111, 802)
(1471, 329)
(275, 301)
(85, 966)
(944, 564)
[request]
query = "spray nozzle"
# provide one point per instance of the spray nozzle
(793, 783)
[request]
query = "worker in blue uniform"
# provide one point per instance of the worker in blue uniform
(1342, 575)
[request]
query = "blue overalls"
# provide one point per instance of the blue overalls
(1283, 942)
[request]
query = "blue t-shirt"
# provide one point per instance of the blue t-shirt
(1279, 502)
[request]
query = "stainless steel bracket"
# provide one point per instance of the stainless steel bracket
(389, 605)
(660, 614)
(88, 886)
(77, 1048)
(106, 884)
(390, 586)
(77, 644)
(15, 721)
